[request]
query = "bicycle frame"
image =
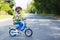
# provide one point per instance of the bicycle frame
(21, 26)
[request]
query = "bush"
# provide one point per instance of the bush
(10, 12)
(6, 7)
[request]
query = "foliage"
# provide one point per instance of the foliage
(31, 8)
(6, 7)
(10, 12)
(11, 2)
(47, 6)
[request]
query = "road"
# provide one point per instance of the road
(44, 28)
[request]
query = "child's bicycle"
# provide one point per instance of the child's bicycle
(19, 29)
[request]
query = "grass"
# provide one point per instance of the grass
(5, 16)
(42, 14)
(50, 15)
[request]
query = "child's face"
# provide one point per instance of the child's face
(20, 11)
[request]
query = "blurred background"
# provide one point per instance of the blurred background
(7, 7)
(40, 7)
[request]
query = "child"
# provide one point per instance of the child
(18, 17)
(17, 14)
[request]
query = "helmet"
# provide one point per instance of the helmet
(17, 9)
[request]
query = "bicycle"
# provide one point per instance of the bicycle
(19, 29)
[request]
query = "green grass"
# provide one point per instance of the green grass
(42, 14)
(5, 16)
(49, 15)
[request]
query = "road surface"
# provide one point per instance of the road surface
(44, 28)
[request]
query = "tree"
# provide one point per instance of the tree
(47, 6)
(11, 2)
(6, 7)
(31, 8)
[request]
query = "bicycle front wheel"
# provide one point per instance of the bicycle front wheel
(28, 32)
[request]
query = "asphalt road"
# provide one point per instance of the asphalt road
(44, 28)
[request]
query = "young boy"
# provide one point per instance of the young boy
(17, 14)
(18, 17)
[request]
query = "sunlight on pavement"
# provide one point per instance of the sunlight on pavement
(42, 21)
(54, 27)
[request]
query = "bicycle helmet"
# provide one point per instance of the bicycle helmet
(17, 9)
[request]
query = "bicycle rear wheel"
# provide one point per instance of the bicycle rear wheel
(12, 32)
